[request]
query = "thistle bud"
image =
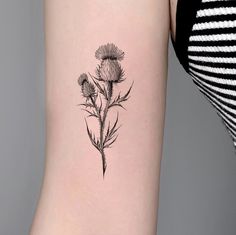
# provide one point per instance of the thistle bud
(110, 71)
(88, 89)
(82, 78)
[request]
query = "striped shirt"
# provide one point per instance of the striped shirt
(211, 57)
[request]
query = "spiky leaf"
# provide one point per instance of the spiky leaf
(120, 99)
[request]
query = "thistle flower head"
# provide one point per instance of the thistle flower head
(109, 51)
(82, 78)
(110, 71)
(88, 89)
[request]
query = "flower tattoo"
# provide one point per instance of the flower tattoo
(98, 92)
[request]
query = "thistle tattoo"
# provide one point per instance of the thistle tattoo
(98, 92)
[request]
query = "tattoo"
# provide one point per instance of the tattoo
(99, 94)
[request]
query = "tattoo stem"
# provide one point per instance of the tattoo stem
(110, 91)
(101, 126)
(102, 121)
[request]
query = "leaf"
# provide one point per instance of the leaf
(119, 99)
(113, 129)
(91, 113)
(93, 77)
(109, 144)
(100, 107)
(128, 92)
(95, 142)
(87, 105)
(117, 104)
(101, 89)
(111, 135)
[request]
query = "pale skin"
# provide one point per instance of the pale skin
(75, 198)
(173, 8)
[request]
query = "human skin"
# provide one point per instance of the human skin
(75, 197)
(173, 7)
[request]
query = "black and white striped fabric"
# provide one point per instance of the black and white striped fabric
(211, 57)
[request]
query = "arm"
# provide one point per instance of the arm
(77, 197)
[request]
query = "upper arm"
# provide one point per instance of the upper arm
(76, 196)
